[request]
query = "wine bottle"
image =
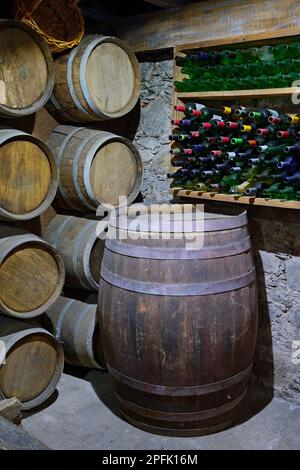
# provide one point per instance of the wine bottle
(287, 193)
(230, 110)
(182, 151)
(271, 148)
(271, 190)
(179, 137)
(188, 108)
(234, 125)
(293, 149)
(284, 120)
(288, 133)
(239, 188)
(178, 163)
(191, 60)
(293, 178)
(289, 164)
(279, 176)
(252, 191)
(262, 115)
(187, 124)
(268, 131)
(207, 114)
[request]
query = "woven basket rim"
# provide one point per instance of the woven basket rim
(54, 43)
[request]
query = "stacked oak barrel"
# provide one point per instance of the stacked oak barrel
(52, 152)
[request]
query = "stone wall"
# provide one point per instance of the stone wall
(275, 238)
(276, 243)
(152, 137)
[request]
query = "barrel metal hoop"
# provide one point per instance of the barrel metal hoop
(145, 252)
(180, 417)
(9, 243)
(89, 344)
(86, 171)
(54, 236)
(53, 101)
(58, 162)
(89, 282)
(71, 87)
(164, 390)
(82, 77)
(61, 318)
(8, 134)
(76, 330)
(76, 159)
(210, 225)
(154, 288)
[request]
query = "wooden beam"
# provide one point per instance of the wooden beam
(166, 3)
(207, 20)
(15, 438)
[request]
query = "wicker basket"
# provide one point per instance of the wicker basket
(60, 22)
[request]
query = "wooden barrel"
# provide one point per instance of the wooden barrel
(75, 325)
(77, 241)
(179, 324)
(98, 80)
(31, 273)
(95, 168)
(33, 363)
(28, 177)
(26, 71)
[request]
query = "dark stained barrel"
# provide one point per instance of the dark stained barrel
(178, 324)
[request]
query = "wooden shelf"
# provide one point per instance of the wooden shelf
(237, 94)
(275, 97)
(177, 192)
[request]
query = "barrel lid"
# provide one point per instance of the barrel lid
(172, 218)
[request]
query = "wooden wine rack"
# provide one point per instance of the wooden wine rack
(280, 98)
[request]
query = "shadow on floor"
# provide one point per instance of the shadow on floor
(101, 383)
(52, 399)
(256, 399)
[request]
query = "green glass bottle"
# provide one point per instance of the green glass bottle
(293, 51)
(280, 52)
(272, 148)
(262, 115)
(287, 193)
(272, 190)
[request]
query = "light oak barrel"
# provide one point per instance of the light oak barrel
(78, 243)
(28, 177)
(31, 273)
(99, 79)
(75, 325)
(179, 325)
(26, 70)
(95, 167)
(33, 364)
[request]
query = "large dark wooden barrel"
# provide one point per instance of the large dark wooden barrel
(179, 325)
(26, 71)
(31, 273)
(75, 325)
(33, 363)
(95, 168)
(80, 243)
(99, 79)
(28, 176)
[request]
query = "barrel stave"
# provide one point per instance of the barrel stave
(186, 323)
(34, 363)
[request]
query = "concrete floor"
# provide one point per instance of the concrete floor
(84, 415)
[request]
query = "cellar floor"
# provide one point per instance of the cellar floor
(83, 415)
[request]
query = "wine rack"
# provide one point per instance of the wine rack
(280, 98)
